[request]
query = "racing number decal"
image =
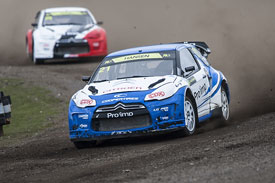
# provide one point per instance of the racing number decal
(103, 69)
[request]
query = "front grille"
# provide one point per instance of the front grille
(71, 48)
(67, 36)
(121, 123)
(121, 117)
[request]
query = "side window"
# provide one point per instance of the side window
(198, 53)
(187, 60)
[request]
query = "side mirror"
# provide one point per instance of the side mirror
(86, 78)
(34, 24)
(181, 72)
(188, 69)
(100, 23)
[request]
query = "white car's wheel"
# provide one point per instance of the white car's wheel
(35, 60)
(190, 116)
(27, 49)
(29, 55)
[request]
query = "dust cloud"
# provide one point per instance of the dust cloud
(239, 32)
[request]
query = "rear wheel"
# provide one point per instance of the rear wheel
(224, 111)
(29, 54)
(84, 144)
(190, 116)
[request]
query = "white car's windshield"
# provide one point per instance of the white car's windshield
(67, 18)
(138, 65)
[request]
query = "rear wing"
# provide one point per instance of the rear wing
(201, 46)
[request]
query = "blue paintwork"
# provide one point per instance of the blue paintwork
(175, 114)
(205, 117)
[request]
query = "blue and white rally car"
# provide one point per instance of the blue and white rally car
(148, 89)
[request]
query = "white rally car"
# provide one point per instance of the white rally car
(67, 32)
(146, 90)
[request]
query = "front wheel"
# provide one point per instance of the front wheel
(190, 116)
(38, 61)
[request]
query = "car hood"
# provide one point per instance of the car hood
(74, 30)
(132, 85)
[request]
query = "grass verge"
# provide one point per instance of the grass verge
(33, 108)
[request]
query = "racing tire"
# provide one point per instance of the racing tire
(35, 60)
(190, 116)
(84, 144)
(38, 61)
(224, 111)
(29, 55)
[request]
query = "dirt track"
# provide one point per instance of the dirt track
(240, 152)
(241, 36)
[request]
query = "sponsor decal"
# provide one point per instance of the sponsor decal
(134, 57)
(156, 94)
(164, 118)
(120, 114)
(156, 109)
(123, 89)
(179, 84)
(119, 99)
(163, 109)
(62, 13)
(192, 81)
(166, 55)
(83, 125)
(83, 116)
(120, 132)
(120, 95)
(70, 55)
(86, 101)
(199, 93)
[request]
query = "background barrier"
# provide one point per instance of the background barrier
(5, 111)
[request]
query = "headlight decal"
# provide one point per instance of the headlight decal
(156, 94)
(82, 100)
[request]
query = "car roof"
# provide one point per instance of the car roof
(58, 9)
(147, 49)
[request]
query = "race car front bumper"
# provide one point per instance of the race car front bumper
(92, 123)
(71, 48)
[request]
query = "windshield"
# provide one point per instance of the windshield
(67, 18)
(138, 65)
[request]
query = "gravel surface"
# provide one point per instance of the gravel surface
(241, 151)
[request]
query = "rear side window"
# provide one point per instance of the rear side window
(187, 60)
(37, 17)
(198, 54)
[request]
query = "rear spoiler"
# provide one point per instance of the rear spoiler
(201, 46)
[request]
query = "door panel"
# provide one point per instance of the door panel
(200, 90)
